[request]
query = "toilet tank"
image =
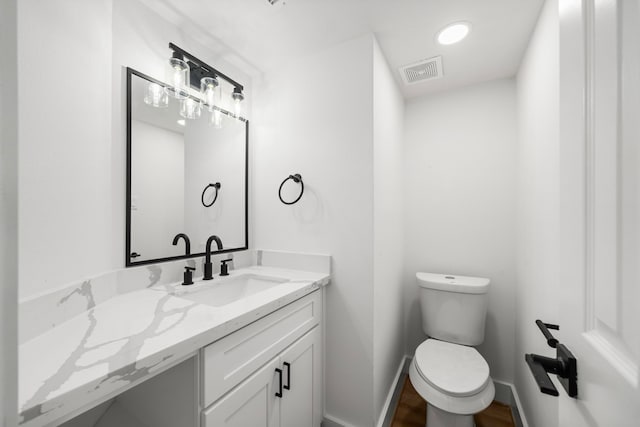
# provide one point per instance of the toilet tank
(454, 308)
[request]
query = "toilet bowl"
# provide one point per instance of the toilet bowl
(446, 370)
(454, 380)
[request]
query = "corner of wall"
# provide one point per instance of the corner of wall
(537, 205)
(8, 215)
(388, 195)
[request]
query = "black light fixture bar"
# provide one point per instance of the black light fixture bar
(200, 69)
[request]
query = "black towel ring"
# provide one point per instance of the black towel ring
(295, 178)
(217, 187)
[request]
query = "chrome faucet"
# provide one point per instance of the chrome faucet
(208, 266)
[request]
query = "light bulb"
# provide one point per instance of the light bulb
(237, 97)
(190, 108)
(453, 33)
(215, 119)
(156, 96)
(178, 78)
(210, 92)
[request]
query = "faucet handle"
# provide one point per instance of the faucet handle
(187, 278)
(224, 268)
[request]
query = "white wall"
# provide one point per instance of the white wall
(72, 152)
(8, 215)
(65, 226)
(538, 208)
(388, 320)
(459, 207)
(314, 117)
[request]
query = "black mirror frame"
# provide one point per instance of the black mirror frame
(128, 262)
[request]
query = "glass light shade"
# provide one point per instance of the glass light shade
(237, 97)
(215, 119)
(156, 96)
(190, 108)
(210, 92)
(177, 78)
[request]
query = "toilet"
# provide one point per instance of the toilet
(446, 370)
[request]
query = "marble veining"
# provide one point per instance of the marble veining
(58, 306)
(131, 345)
(118, 341)
(84, 290)
(155, 273)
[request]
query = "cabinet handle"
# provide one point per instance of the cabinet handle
(279, 393)
(288, 365)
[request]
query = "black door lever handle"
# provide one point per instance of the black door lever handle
(540, 374)
(564, 366)
(544, 328)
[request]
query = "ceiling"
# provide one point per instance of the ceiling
(255, 34)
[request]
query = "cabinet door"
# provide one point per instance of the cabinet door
(300, 405)
(251, 404)
(233, 358)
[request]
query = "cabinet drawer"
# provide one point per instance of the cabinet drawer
(228, 361)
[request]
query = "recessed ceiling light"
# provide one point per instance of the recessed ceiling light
(181, 122)
(453, 33)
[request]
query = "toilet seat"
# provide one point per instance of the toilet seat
(452, 377)
(453, 369)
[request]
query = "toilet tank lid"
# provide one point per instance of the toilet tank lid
(453, 283)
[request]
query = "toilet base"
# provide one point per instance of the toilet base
(436, 417)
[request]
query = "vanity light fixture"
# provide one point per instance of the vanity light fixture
(215, 119)
(237, 97)
(453, 33)
(206, 78)
(177, 75)
(156, 96)
(190, 108)
(209, 92)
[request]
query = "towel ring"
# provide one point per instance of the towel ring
(296, 178)
(217, 187)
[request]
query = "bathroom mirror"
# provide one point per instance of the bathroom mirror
(183, 176)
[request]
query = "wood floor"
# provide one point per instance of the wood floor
(412, 411)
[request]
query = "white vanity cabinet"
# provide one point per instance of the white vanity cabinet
(242, 372)
(301, 403)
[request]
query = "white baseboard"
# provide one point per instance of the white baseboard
(392, 389)
(514, 402)
(519, 406)
(330, 421)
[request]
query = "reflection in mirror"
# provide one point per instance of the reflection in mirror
(187, 178)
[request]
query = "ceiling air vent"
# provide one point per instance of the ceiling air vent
(422, 71)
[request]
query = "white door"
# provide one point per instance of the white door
(250, 404)
(600, 209)
(300, 405)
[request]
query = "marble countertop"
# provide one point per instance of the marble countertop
(103, 351)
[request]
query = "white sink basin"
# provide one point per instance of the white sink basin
(223, 291)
